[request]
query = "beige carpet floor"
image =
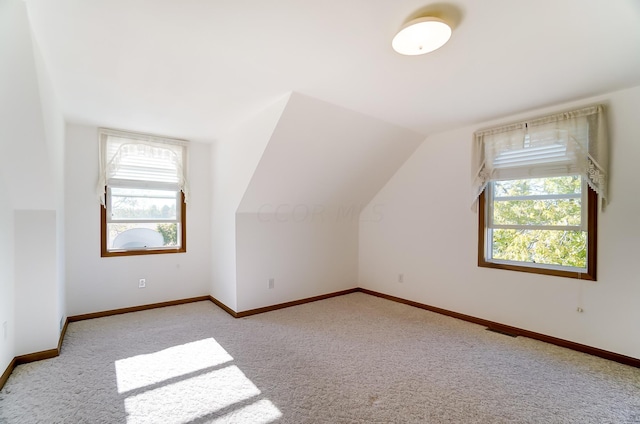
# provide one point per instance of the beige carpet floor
(349, 359)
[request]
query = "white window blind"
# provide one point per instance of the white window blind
(568, 143)
(142, 160)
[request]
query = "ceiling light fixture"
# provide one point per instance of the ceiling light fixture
(420, 36)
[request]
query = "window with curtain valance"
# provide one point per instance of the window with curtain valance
(567, 143)
(538, 183)
(128, 156)
(143, 191)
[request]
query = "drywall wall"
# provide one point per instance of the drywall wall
(7, 279)
(234, 160)
(306, 251)
(8, 12)
(31, 174)
(54, 127)
(425, 229)
(22, 128)
(298, 220)
(97, 284)
(36, 288)
(324, 154)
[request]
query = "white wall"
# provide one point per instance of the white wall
(36, 292)
(98, 284)
(54, 126)
(30, 172)
(298, 220)
(427, 231)
(7, 279)
(324, 154)
(308, 250)
(22, 130)
(234, 160)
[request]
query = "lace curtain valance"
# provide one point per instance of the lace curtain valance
(133, 157)
(568, 143)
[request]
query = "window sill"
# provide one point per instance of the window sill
(114, 253)
(557, 271)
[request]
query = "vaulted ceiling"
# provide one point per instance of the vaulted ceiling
(197, 68)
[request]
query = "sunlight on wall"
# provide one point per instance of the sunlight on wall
(188, 382)
(144, 370)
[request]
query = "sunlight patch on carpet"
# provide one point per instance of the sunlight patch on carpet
(260, 412)
(145, 370)
(177, 385)
(191, 398)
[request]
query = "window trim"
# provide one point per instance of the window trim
(592, 235)
(105, 253)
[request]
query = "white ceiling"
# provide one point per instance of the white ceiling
(196, 68)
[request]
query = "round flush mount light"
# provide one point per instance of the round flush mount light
(420, 36)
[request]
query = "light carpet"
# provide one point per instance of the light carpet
(348, 359)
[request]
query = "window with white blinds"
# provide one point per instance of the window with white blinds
(158, 162)
(146, 159)
(143, 190)
(568, 143)
(538, 183)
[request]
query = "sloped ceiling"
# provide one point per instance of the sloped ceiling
(32, 186)
(196, 68)
(321, 155)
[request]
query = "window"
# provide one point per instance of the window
(538, 185)
(542, 225)
(143, 194)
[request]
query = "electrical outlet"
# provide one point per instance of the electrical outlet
(400, 278)
(272, 283)
(142, 283)
(579, 309)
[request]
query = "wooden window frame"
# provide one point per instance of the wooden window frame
(592, 235)
(105, 253)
